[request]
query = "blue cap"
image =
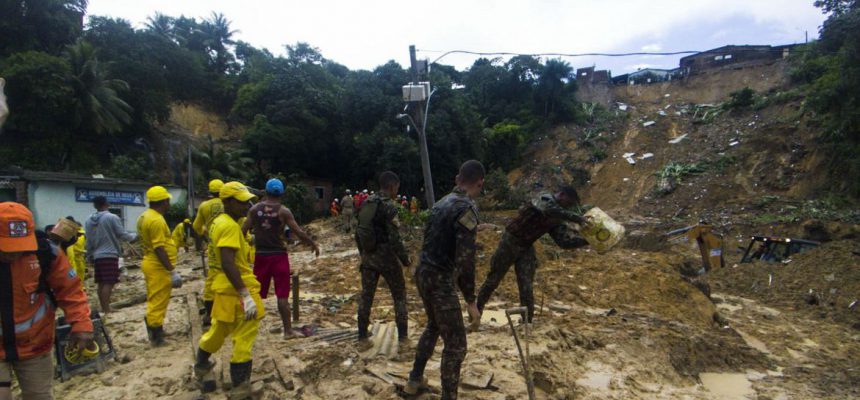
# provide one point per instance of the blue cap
(275, 187)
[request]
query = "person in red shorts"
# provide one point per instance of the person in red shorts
(267, 220)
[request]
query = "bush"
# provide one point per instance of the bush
(740, 99)
(176, 213)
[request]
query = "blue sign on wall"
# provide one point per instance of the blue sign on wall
(113, 196)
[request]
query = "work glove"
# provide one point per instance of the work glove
(176, 280)
(248, 305)
(474, 317)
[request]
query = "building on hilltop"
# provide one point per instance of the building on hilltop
(733, 56)
(588, 76)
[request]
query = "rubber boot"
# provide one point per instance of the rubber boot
(240, 375)
(207, 314)
(202, 371)
(157, 339)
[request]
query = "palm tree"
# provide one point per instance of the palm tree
(554, 76)
(218, 36)
(161, 25)
(98, 107)
(221, 163)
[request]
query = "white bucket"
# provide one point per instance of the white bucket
(602, 233)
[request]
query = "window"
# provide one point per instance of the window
(320, 192)
(584, 74)
(728, 57)
(718, 58)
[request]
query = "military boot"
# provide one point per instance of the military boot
(240, 375)
(414, 386)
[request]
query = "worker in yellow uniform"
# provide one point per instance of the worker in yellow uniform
(237, 307)
(159, 258)
(181, 234)
(80, 254)
(206, 213)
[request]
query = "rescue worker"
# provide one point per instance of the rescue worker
(448, 254)
(78, 258)
(104, 231)
(382, 254)
(267, 220)
(181, 234)
(159, 260)
(545, 214)
(413, 205)
(238, 307)
(31, 271)
(346, 210)
(333, 208)
(206, 213)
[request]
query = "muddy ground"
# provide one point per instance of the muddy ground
(619, 325)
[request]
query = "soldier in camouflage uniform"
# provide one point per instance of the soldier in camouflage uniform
(448, 255)
(382, 253)
(545, 214)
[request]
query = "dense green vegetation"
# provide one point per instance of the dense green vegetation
(829, 71)
(91, 96)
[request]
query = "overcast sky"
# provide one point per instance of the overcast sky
(365, 34)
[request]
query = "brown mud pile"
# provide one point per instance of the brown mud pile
(824, 281)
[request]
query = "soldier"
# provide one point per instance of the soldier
(382, 253)
(545, 214)
(448, 254)
(346, 210)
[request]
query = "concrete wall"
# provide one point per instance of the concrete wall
(50, 201)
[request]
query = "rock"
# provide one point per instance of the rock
(126, 358)
(289, 385)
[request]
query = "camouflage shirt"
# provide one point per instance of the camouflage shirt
(449, 240)
(386, 227)
(544, 215)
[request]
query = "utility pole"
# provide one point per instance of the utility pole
(422, 138)
(190, 184)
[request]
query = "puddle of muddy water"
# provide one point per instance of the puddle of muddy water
(754, 342)
(727, 386)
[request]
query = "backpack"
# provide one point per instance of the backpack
(368, 224)
(45, 254)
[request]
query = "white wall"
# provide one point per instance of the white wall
(50, 201)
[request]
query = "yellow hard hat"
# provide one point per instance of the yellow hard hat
(157, 193)
(237, 191)
(187, 221)
(215, 185)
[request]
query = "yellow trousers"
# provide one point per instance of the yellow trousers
(243, 333)
(158, 288)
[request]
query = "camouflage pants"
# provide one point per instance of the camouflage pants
(525, 264)
(392, 273)
(444, 319)
(347, 220)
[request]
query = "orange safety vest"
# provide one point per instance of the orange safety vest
(27, 311)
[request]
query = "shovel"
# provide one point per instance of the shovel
(523, 312)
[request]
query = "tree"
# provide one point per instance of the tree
(42, 25)
(97, 106)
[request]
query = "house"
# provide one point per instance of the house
(652, 75)
(734, 56)
(588, 76)
(54, 195)
(321, 190)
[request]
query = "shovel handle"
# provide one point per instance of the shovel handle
(516, 310)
